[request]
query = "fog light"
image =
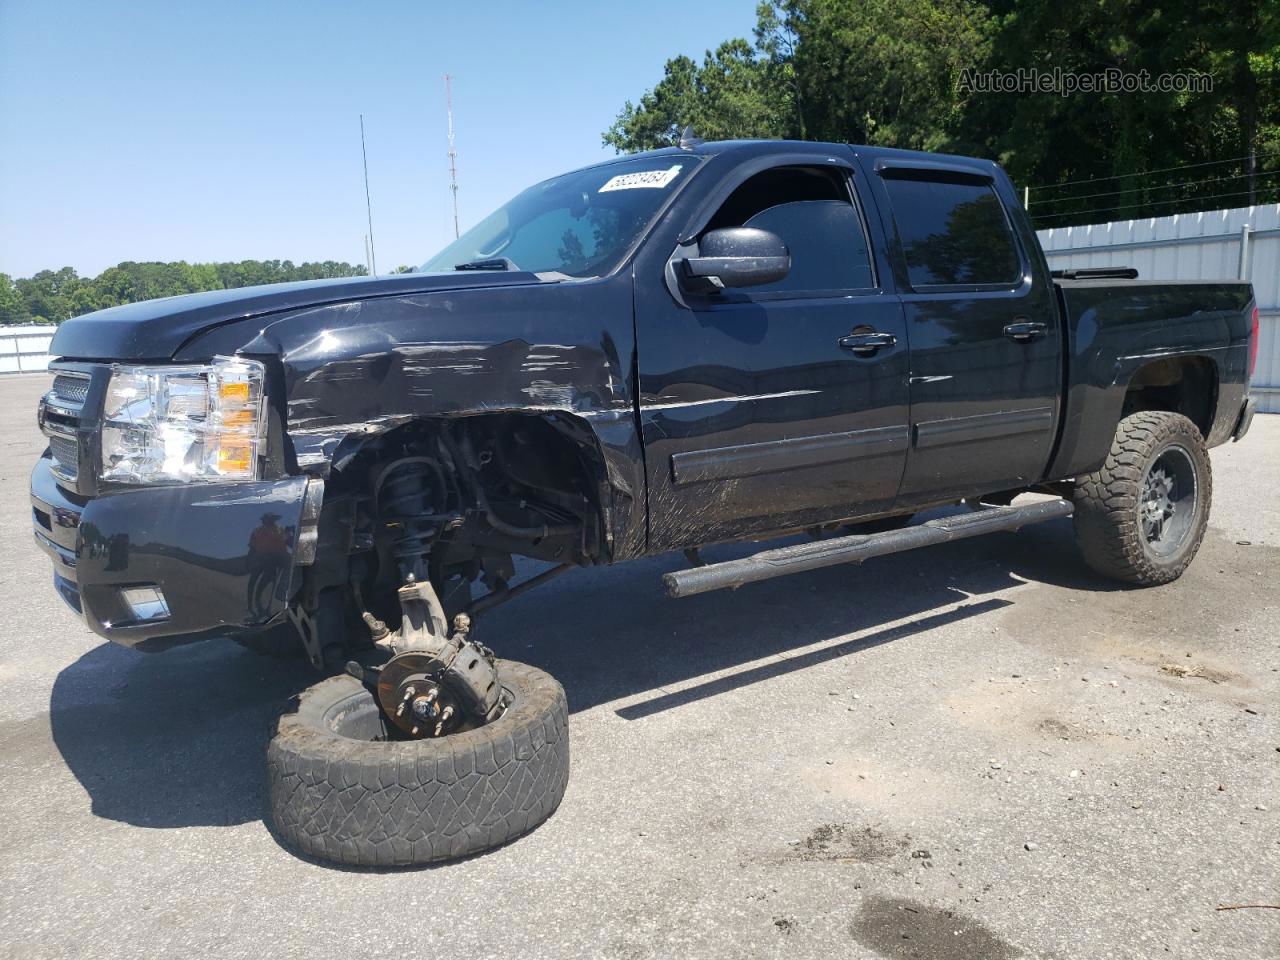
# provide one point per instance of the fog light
(145, 603)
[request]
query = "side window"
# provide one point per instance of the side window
(953, 232)
(811, 210)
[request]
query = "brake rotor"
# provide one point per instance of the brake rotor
(414, 699)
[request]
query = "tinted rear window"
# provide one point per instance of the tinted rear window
(953, 233)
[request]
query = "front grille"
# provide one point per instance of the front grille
(71, 389)
(66, 455)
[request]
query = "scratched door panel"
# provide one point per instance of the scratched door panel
(755, 419)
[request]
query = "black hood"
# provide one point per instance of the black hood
(156, 329)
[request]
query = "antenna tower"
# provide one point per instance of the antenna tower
(453, 154)
(368, 204)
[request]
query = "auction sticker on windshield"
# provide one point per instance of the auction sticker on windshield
(656, 179)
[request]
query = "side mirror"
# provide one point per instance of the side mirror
(735, 257)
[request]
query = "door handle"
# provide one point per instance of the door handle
(1024, 331)
(866, 344)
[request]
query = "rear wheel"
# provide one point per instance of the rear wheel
(1141, 517)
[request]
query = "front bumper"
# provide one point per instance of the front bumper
(221, 553)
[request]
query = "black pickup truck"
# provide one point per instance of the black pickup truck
(695, 345)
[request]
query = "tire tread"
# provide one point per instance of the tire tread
(1106, 501)
(399, 803)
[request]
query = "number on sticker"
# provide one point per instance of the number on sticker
(646, 179)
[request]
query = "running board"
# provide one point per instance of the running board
(858, 547)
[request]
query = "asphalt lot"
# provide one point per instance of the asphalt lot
(977, 751)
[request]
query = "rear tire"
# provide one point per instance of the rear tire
(340, 791)
(1141, 517)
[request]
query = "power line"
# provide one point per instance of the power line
(1154, 203)
(1143, 173)
(1167, 186)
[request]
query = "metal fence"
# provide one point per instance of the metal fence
(25, 349)
(1243, 243)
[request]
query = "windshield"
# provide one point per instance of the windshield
(580, 224)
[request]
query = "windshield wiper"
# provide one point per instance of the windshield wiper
(493, 263)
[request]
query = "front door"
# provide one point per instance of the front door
(780, 406)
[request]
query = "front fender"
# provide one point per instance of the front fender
(358, 369)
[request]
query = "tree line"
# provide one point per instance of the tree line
(52, 296)
(904, 73)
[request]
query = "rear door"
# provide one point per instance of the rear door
(985, 358)
(757, 412)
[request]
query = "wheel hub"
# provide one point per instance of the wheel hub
(1157, 503)
(435, 682)
(1168, 506)
(414, 698)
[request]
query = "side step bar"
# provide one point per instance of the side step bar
(858, 547)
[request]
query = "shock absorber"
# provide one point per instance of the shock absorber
(414, 500)
(437, 678)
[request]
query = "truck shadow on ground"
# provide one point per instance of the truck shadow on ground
(612, 634)
(173, 739)
(177, 739)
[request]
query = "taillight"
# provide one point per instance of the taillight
(1253, 343)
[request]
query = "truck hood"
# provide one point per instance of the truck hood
(157, 329)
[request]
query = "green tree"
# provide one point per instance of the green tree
(884, 72)
(887, 72)
(866, 71)
(53, 296)
(1114, 140)
(12, 307)
(47, 294)
(733, 93)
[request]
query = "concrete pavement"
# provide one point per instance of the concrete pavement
(976, 751)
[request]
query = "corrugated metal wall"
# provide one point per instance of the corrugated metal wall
(1193, 246)
(25, 349)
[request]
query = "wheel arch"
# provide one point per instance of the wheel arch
(1097, 400)
(1185, 384)
(568, 453)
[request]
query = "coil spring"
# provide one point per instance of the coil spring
(414, 498)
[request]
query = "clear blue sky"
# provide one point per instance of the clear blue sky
(229, 130)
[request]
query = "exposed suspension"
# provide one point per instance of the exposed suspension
(438, 680)
(414, 500)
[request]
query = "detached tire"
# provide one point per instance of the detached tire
(1142, 516)
(338, 792)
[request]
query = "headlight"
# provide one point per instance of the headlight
(183, 423)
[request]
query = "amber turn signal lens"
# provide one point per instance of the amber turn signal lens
(234, 392)
(235, 457)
